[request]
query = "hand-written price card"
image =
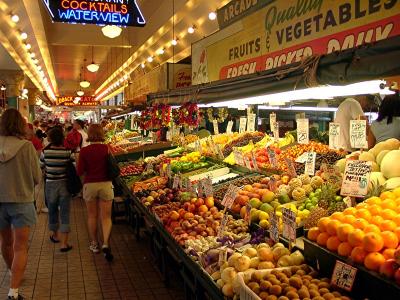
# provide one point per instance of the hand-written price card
(251, 122)
(222, 227)
(302, 131)
(289, 224)
(238, 157)
(343, 276)
(356, 178)
(215, 125)
(310, 163)
(273, 227)
(242, 124)
(291, 168)
(229, 127)
(272, 157)
(207, 187)
(230, 196)
(272, 121)
(358, 134)
(176, 182)
(334, 135)
(254, 161)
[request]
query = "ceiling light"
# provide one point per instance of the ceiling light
(212, 15)
(25, 91)
(191, 29)
(3, 87)
(35, 61)
(150, 59)
(39, 68)
(174, 42)
(111, 31)
(93, 67)
(32, 55)
(160, 51)
(15, 18)
(142, 65)
(28, 46)
(84, 83)
(23, 36)
(80, 93)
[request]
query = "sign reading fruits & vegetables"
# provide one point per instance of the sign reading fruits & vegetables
(356, 178)
(101, 12)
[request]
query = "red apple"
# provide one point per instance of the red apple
(397, 276)
(388, 268)
(199, 202)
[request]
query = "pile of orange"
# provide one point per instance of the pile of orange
(368, 233)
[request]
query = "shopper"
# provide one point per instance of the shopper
(387, 125)
(54, 160)
(19, 173)
(79, 125)
(31, 136)
(97, 189)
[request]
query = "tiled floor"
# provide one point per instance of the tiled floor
(80, 274)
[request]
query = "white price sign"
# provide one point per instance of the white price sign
(289, 224)
(230, 196)
(176, 182)
(247, 162)
(356, 178)
(291, 168)
(207, 187)
(273, 227)
(334, 135)
(310, 163)
(229, 127)
(242, 124)
(358, 134)
(343, 275)
(197, 146)
(254, 161)
(272, 157)
(251, 122)
(272, 121)
(238, 157)
(216, 129)
(302, 131)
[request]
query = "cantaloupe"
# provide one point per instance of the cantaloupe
(381, 155)
(390, 165)
(392, 183)
(368, 156)
(341, 164)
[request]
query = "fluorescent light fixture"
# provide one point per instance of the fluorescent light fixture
(111, 31)
(298, 108)
(212, 15)
(80, 93)
(23, 36)
(15, 18)
(84, 83)
(93, 67)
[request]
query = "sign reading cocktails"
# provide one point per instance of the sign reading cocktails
(101, 12)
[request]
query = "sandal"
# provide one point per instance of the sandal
(68, 248)
(53, 239)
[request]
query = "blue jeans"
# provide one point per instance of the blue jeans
(59, 202)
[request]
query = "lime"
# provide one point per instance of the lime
(309, 206)
(338, 198)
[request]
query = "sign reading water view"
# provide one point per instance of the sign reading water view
(73, 101)
(102, 12)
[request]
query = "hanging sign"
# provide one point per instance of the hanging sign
(100, 12)
(76, 101)
(358, 134)
(215, 125)
(334, 135)
(310, 163)
(251, 122)
(242, 124)
(229, 127)
(343, 275)
(302, 131)
(289, 224)
(356, 178)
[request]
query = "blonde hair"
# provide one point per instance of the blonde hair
(95, 133)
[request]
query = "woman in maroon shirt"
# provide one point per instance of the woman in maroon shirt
(97, 188)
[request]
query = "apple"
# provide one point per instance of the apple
(388, 268)
(174, 215)
(397, 276)
(199, 202)
(203, 208)
(209, 202)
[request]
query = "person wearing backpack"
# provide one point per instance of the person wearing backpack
(19, 173)
(54, 160)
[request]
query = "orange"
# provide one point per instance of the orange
(397, 232)
(389, 203)
(377, 220)
(372, 242)
(350, 211)
(374, 260)
(360, 223)
(390, 239)
(358, 255)
(356, 237)
(361, 205)
(387, 195)
(343, 231)
(397, 220)
(332, 226)
(322, 238)
(322, 223)
(375, 209)
(388, 214)
(397, 200)
(373, 200)
(372, 228)
(333, 243)
(349, 219)
(344, 249)
(388, 253)
(364, 214)
(388, 225)
(338, 216)
(313, 233)
(396, 191)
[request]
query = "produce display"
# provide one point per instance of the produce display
(242, 140)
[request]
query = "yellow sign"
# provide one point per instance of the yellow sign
(285, 32)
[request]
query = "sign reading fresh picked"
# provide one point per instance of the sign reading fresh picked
(101, 12)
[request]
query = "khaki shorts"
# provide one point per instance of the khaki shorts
(98, 191)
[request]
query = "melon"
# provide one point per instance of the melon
(341, 164)
(381, 155)
(392, 183)
(390, 165)
(392, 144)
(367, 156)
(376, 179)
(378, 148)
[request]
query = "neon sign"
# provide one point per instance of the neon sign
(101, 12)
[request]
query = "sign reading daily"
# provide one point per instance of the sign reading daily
(279, 33)
(102, 12)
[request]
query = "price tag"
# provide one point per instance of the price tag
(247, 162)
(223, 256)
(242, 124)
(254, 161)
(215, 125)
(273, 185)
(222, 227)
(274, 227)
(358, 134)
(207, 187)
(356, 178)
(169, 171)
(272, 121)
(200, 190)
(219, 152)
(247, 215)
(149, 167)
(197, 146)
(343, 275)
(230, 196)
(310, 163)
(302, 131)
(331, 174)
(251, 122)
(291, 168)
(238, 157)
(289, 224)
(334, 135)
(176, 183)
(194, 188)
(229, 127)
(276, 132)
(272, 158)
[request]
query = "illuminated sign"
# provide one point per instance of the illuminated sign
(101, 12)
(71, 101)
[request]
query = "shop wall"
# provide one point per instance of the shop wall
(284, 32)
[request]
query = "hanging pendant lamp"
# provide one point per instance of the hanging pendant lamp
(93, 67)
(84, 83)
(111, 31)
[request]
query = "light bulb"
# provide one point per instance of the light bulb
(150, 59)
(93, 67)
(142, 65)
(39, 68)
(28, 46)
(191, 29)
(23, 36)
(212, 15)
(15, 18)
(174, 42)
(32, 55)
(35, 61)
(160, 51)
(80, 93)
(85, 84)
(25, 91)
(111, 31)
